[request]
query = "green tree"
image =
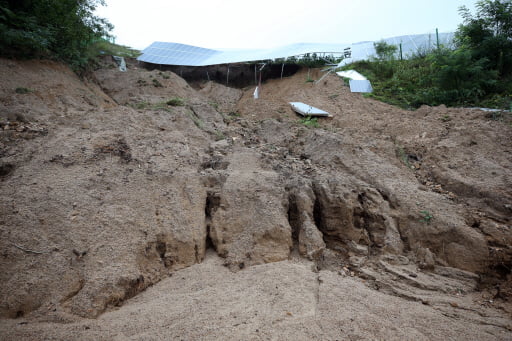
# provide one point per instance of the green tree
(458, 79)
(44, 28)
(384, 50)
(488, 34)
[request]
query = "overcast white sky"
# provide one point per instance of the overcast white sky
(270, 23)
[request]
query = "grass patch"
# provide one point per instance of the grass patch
(144, 105)
(176, 102)
(446, 118)
(157, 84)
(402, 155)
(309, 121)
(197, 121)
(219, 135)
(104, 47)
(164, 75)
(141, 82)
(215, 105)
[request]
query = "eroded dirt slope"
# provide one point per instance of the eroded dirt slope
(108, 190)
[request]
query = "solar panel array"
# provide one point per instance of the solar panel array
(176, 54)
(187, 55)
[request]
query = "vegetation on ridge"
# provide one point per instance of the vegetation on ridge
(64, 29)
(477, 72)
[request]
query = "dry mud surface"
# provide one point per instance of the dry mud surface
(124, 217)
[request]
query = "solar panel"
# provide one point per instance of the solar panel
(307, 110)
(176, 54)
(360, 85)
(188, 55)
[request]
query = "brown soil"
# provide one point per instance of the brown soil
(123, 217)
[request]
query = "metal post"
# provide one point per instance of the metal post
(227, 77)
(282, 69)
(207, 75)
(437, 38)
(401, 55)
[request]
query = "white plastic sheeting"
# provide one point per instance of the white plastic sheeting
(352, 74)
(358, 82)
(410, 44)
(307, 110)
(121, 62)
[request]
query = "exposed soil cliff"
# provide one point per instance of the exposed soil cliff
(378, 219)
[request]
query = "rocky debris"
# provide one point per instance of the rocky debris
(425, 258)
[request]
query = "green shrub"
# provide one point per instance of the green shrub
(156, 83)
(22, 90)
(426, 217)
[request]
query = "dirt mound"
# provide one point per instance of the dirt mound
(285, 301)
(112, 185)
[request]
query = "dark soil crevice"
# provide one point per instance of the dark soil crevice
(215, 163)
(317, 215)
(211, 205)
(6, 169)
(162, 249)
(294, 219)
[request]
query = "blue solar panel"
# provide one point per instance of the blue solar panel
(176, 54)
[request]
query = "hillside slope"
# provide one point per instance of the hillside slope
(107, 190)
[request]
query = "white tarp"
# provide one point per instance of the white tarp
(352, 74)
(307, 110)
